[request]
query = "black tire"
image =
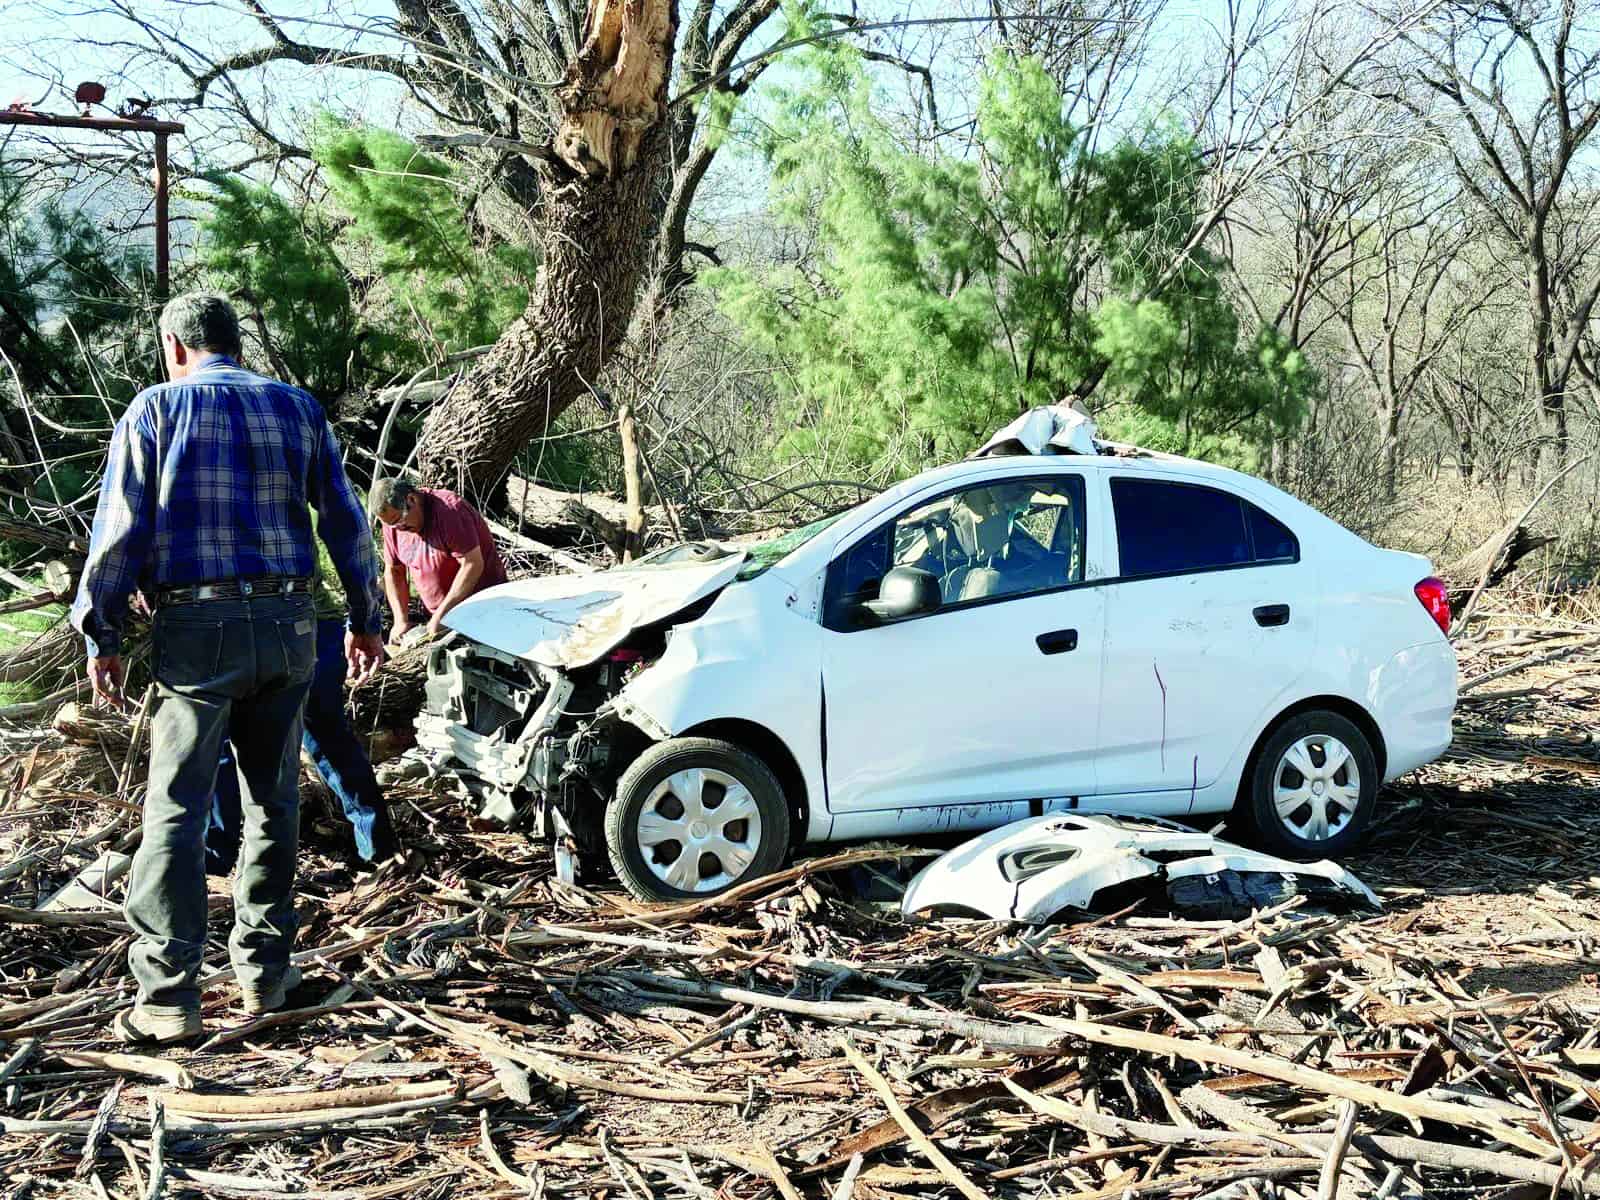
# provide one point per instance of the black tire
(767, 841)
(1257, 807)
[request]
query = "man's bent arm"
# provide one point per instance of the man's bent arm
(124, 528)
(465, 583)
(398, 588)
(342, 526)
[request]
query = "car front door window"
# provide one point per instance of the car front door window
(994, 541)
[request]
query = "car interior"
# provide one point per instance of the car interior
(1002, 539)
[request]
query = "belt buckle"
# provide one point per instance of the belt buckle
(246, 588)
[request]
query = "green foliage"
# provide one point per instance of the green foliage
(409, 209)
(952, 292)
(384, 276)
(281, 261)
(62, 283)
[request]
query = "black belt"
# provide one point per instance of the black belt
(233, 589)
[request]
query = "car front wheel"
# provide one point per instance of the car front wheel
(694, 816)
(1313, 786)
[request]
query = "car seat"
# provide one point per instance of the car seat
(981, 525)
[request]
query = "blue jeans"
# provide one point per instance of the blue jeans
(338, 754)
(225, 670)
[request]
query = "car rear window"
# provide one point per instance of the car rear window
(1171, 528)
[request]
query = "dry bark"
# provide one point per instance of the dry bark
(599, 181)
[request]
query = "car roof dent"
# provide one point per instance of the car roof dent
(570, 621)
(1042, 869)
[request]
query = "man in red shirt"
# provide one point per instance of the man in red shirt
(441, 540)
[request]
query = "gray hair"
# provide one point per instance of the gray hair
(203, 321)
(390, 492)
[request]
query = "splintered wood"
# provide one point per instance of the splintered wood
(474, 1028)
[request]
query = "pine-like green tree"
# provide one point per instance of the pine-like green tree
(381, 277)
(279, 264)
(949, 293)
(410, 210)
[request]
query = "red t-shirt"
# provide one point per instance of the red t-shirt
(451, 528)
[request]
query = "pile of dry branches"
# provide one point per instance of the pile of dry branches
(478, 1029)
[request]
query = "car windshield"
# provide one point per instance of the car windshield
(764, 554)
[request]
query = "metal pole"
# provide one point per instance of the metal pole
(163, 244)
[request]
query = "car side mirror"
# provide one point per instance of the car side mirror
(904, 592)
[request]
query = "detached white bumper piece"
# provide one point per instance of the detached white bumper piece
(1061, 866)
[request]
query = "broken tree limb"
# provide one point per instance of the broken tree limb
(377, 1116)
(174, 1074)
(498, 1164)
(1328, 1181)
(1058, 1030)
(1566, 651)
(42, 535)
(917, 1138)
(283, 1103)
(1471, 605)
(569, 515)
(30, 916)
(521, 541)
(396, 397)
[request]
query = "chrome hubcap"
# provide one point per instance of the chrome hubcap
(1316, 787)
(699, 830)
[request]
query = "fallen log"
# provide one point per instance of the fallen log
(1492, 561)
(42, 535)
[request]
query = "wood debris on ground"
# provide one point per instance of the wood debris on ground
(477, 1029)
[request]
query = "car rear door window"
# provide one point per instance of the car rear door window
(1270, 539)
(1166, 528)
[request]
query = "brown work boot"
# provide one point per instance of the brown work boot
(257, 1001)
(156, 1024)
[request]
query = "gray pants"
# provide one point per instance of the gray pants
(238, 669)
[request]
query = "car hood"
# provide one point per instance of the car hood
(573, 620)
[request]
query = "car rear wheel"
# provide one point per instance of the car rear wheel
(1312, 787)
(694, 816)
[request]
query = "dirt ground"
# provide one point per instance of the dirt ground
(528, 1038)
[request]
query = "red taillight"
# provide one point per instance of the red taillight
(1435, 598)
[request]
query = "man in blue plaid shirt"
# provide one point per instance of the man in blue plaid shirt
(205, 509)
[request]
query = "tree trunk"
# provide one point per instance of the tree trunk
(599, 181)
(1550, 392)
(1389, 429)
(1554, 438)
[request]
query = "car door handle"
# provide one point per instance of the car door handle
(1272, 614)
(1058, 641)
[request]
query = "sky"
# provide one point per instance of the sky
(72, 40)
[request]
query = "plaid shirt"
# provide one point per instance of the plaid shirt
(209, 479)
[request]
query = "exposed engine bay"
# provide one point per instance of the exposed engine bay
(522, 711)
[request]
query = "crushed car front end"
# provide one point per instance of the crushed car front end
(533, 714)
(518, 714)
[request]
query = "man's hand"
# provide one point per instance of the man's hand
(106, 677)
(402, 626)
(363, 652)
(433, 624)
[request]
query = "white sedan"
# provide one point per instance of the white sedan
(1112, 632)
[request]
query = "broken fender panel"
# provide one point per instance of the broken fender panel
(1042, 868)
(572, 620)
(1048, 429)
